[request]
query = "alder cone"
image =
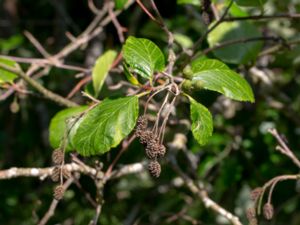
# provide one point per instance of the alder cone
(154, 168)
(254, 195)
(55, 174)
(161, 151)
(58, 192)
(146, 137)
(251, 213)
(142, 123)
(150, 152)
(57, 156)
(268, 211)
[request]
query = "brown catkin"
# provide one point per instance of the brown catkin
(161, 151)
(154, 168)
(146, 137)
(253, 221)
(251, 213)
(58, 192)
(254, 195)
(55, 175)
(150, 153)
(57, 156)
(142, 122)
(141, 127)
(268, 211)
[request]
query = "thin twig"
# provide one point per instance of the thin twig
(203, 195)
(47, 93)
(54, 204)
(126, 143)
(37, 44)
(115, 21)
(286, 150)
(241, 40)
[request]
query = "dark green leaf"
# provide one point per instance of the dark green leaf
(239, 53)
(105, 126)
(143, 56)
(58, 125)
(11, 43)
(101, 69)
(6, 76)
(202, 123)
(216, 76)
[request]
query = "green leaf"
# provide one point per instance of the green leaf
(191, 2)
(132, 79)
(6, 76)
(251, 3)
(101, 68)
(239, 53)
(216, 76)
(202, 123)
(58, 125)
(11, 43)
(143, 56)
(106, 125)
(119, 4)
(183, 40)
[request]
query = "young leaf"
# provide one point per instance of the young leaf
(143, 56)
(216, 76)
(239, 53)
(6, 76)
(132, 79)
(202, 123)
(101, 69)
(58, 125)
(105, 126)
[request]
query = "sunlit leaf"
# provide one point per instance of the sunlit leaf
(143, 56)
(216, 76)
(202, 123)
(7, 76)
(101, 69)
(58, 125)
(105, 126)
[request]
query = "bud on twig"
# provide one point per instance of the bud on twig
(268, 211)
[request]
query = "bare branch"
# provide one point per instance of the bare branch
(203, 195)
(284, 149)
(43, 173)
(47, 93)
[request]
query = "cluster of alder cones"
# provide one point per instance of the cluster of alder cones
(58, 173)
(153, 148)
(268, 209)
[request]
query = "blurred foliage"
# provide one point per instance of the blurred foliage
(239, 157)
